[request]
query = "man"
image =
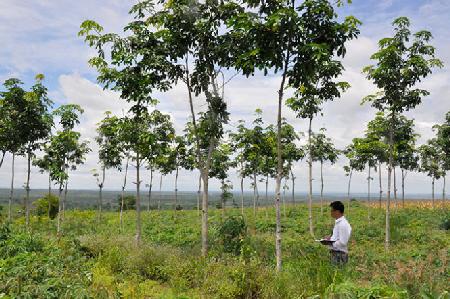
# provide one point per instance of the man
(341, 234)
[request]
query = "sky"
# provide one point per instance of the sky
(40, 36)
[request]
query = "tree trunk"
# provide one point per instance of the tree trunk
(403, 187)
(266, 204)
(3, 158)
(321, 187)
(27, 187)
(443, 192)
(58, 227)
(348, 189)
(123, 193)
(432, 192)
(150, 186)
(222, 202)
(138, 200)
(242, 195)
(64, 200)
(293, 187)
(381, 187)
(176, 189)
(101, 193)
(279, 167)
(255, 194)
(49, 193)
(284, 197)
(395, 188)
(368, 195)
(390, 166)
(198, 193)
(205, 214)
(160, 191)
(11, 191)
(310, 217)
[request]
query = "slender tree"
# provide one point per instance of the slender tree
(65, 151)
(110, 153)
(221, 164)
(296, 39)
(323, 151)
(443, 139)
(12, 106)
(136, 65)
(36, 123)
(430, 162)
(402, 61)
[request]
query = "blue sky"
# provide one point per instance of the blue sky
(40, 36)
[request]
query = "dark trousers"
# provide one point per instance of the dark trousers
(338, 258)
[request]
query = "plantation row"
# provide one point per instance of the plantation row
(98, 258)
(194, 42)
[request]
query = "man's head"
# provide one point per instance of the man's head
(337, 209)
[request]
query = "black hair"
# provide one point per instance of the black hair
(338, 206)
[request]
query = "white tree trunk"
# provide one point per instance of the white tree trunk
(310, 217)
(27, 188)
(403, 187)
(198, 194)
(176, 189)
(348, 190)
(432, 191)
(390, 166)
(160, 191)
(11, 190)
(150, 187)
(58, 228)
(443, 192)
(381, 187)
(395, 188)
(123, 194)
(138, 200)
(368, 195)
(321, 187)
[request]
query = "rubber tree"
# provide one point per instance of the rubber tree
(158, 135)
(194, 33)
(377, 131)
(110, 151)
(402, 61)
(430, 163)
(135, 65)
(365, 150)
(355, 163)
(323, 151)
(221, 164)
(36, 124)
(443, 139)
(239, 158)
(65, 151)
(182, 158)
(44, 164)
(296, 39)
(12, 105)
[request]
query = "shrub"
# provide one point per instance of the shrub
(47, 206)
(231, 233)
(445, 224)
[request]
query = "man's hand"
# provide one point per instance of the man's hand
(327, 238)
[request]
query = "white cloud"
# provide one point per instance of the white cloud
(47, 42)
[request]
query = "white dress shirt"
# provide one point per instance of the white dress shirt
(341, 234)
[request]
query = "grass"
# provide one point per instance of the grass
(97, 259)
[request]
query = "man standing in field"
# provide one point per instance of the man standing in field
(341, 234)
